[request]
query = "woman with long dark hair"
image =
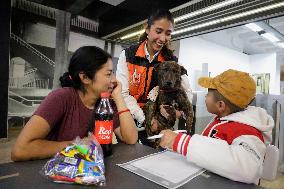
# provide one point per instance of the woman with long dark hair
(135, 65)
(66, 112)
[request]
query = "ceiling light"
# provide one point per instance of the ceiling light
(214, 22)
(270, 37)
(205, 10)
(132, 34)
(281, 44)
(229, 18)
(254, 27)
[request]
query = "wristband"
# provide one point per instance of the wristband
(122, 111)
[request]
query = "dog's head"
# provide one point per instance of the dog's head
(169, 74)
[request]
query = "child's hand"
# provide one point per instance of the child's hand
(168, 139)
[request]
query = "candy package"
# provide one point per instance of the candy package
(81, 163)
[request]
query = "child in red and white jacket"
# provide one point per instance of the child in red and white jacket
(233, 145)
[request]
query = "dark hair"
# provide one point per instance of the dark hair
(87, 59)
(219, 97)
(157, 15)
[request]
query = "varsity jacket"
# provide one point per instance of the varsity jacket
(135, 72)
(232, 146)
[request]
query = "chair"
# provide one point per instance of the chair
(270, 163)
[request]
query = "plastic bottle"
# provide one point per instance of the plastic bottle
(103, 127)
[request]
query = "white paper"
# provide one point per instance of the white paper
(167, 168)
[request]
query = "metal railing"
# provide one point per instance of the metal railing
(32, 49)
(85, 23)
(23, 100)
(29, 83)
(45, 11)
(31, 71)
(35, 8)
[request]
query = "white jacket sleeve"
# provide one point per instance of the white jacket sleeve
(122, 76)
(240, 161)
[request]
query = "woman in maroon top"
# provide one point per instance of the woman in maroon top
(66, 112)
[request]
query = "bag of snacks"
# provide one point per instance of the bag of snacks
(81, 162)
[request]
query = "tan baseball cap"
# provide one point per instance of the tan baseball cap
(236, 86)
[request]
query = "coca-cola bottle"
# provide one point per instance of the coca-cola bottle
(103, 127)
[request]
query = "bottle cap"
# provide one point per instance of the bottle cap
(105, 95)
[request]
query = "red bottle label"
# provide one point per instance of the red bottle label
(103, 132)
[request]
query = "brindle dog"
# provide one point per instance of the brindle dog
(171, 94)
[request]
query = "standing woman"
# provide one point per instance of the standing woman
(66, 112)
(136, 63)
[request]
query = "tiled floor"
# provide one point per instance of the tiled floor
(5, 156)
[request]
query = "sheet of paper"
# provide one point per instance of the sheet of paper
(167, 168)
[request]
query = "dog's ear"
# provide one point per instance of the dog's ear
(183, 70)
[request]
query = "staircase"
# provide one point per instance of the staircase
(28, 83)
(20, 106)
(21, 48)
(27, 92)
(31, 71)
(29, 78)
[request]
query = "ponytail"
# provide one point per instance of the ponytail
(66, 80)
(167, 53)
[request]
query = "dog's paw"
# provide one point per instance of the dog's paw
(153, 94)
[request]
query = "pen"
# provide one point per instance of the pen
(160, 135)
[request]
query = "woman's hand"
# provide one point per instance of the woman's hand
(117, 88)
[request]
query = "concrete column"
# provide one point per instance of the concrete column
(5, 12)
(112, 48)
(63, 20)
(106, 46)
(17, 67)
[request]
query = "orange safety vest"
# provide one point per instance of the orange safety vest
(141, 78)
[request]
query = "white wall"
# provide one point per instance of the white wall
(77, 40)
(44, 35)
(266, 63)
(40, 34)
(175, 45)
(195, 51)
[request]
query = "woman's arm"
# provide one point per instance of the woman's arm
(127, 131)
(122, 76)
(31, 144)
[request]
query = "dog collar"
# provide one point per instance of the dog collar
(168, 90)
